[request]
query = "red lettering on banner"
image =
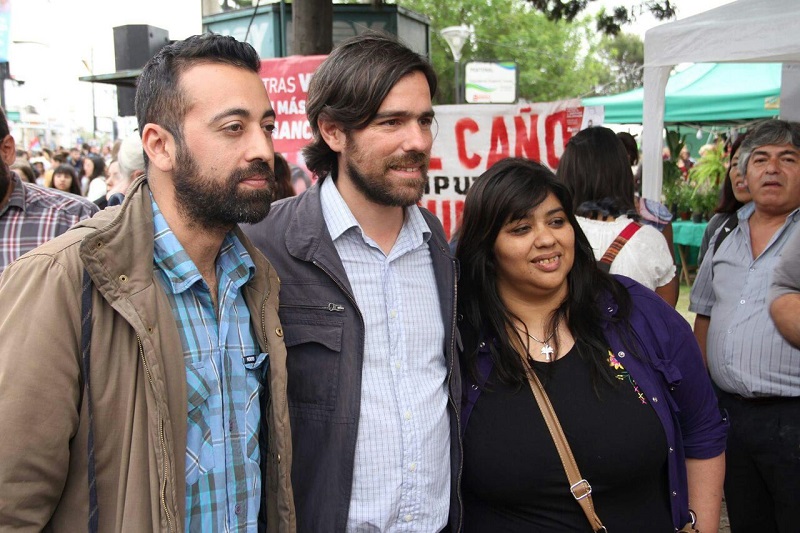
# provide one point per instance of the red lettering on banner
(527, 143)
(462, 126)
(432, 207)
(556, 119)
(498, 144)
(445, 218)
(459, 214)
(435, 163)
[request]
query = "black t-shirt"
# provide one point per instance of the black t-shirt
(514, 481)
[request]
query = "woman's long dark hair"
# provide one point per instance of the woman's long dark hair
(69, 170)
(505, 193)
(727, 201)
(597, 172)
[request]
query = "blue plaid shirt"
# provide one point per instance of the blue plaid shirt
(223, 478)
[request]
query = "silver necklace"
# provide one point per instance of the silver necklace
(547, 351)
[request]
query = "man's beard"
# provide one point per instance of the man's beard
(213, 203)
(377, 188)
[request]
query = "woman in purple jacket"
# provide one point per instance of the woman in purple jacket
(620, 366)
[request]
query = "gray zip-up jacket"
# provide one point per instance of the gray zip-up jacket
(326, 352)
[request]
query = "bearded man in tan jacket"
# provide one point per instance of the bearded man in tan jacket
(176, 418)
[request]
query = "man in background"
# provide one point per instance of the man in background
(31, 215)
(756, 371)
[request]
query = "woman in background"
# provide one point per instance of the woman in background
(94, 177)
(595, 170)
(65, 179)
(734, 195)
(621, 368)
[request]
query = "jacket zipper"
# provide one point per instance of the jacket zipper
(163, 492)
(335, 308)
(456, 409)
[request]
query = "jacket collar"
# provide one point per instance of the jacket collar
(118, 254)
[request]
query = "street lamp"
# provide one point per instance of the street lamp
(456, 37)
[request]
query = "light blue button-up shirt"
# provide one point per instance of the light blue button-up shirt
(223, 478)
(746, 354)
(401, 478)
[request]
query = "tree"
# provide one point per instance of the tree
(623, 54)
(551, 55)
(610, 24)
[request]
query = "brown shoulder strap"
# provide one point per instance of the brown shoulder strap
(580, 488)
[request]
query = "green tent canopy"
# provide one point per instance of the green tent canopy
(705, 93)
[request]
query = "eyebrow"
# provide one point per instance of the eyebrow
(556, 210)
(780, 154)
(241, 112)
(405, 114)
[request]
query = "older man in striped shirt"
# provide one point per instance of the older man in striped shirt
(756, 371)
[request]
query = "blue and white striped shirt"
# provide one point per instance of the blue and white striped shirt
(223, 478)
(401, 478)
(746, 354)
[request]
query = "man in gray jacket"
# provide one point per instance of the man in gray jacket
(367, 303)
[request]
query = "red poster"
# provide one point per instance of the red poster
(286, 80)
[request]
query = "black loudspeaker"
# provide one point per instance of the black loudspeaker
(135, 44)
(126, 97)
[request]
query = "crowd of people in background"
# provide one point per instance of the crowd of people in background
(241, 349)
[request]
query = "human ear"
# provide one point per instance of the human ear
(159, 145)
(331, 133)
(8, 150)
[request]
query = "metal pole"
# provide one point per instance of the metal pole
(458, 83)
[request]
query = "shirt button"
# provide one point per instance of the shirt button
(752, 270)
(621, 354)
(671, 450)
(407, 518)
(393, 314)
(674, 493)
(230, 426)
(655, 400)
(408, 415)
(397, 366)
(741, 302)
(413, 467)
(238, 509)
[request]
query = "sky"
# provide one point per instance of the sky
(645, 20)
(54, 42)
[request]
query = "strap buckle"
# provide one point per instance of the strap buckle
(581, 484)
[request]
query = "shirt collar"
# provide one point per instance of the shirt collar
(747, 210)
(339, 218)
(181, 272)
(17, 196)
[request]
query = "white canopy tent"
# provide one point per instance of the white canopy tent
(745, 31)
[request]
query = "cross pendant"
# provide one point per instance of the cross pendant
(547, 352)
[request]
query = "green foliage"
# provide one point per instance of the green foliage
(623, 54)
(679, 195)
(710, 169)
(551, 56)
(606, 23)
(706, 177)
(675, 144)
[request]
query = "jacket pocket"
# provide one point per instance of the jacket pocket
(314, 343)
(199, 445)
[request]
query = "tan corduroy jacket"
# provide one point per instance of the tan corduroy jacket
(138, 384)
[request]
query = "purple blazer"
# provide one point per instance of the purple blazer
(669, 371)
